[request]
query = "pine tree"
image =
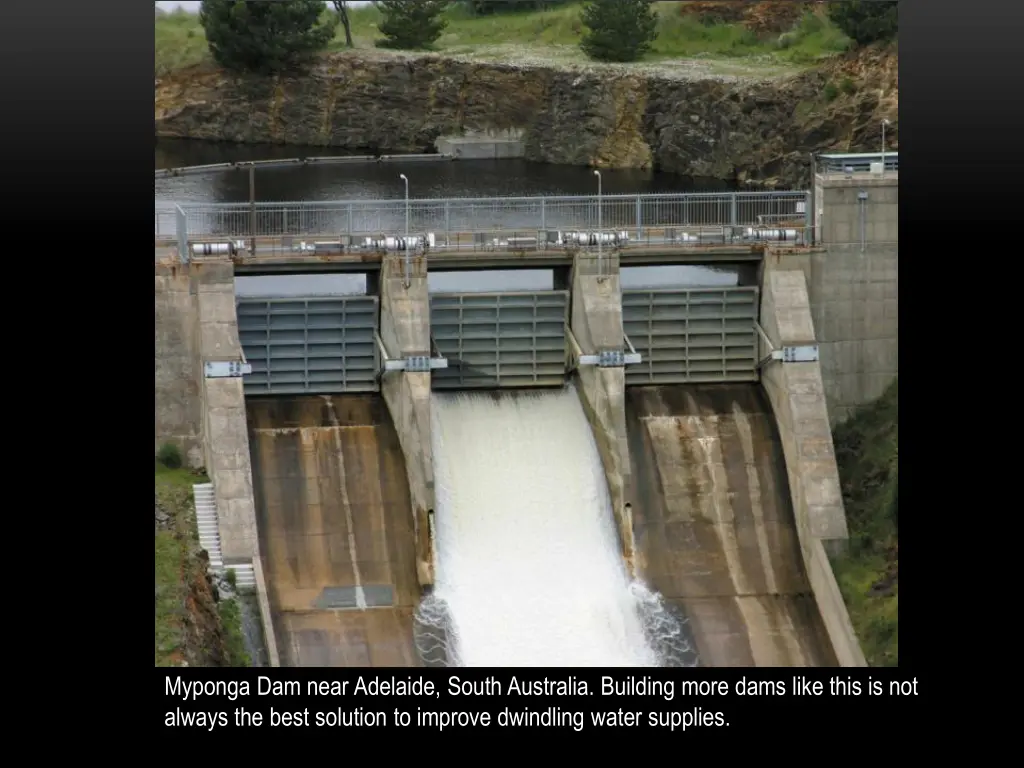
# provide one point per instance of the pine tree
(619, 30)
(411, 24)
(865, 22)
(265, 37)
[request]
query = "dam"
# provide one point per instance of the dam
(421, 477)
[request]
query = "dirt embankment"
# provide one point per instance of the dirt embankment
(194, 626)
(676, 119)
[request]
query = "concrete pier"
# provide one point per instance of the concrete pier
(405, 331)
(179, 414)
(596, 324)
(225, 434)
(797, 396)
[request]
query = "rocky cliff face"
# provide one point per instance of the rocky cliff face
(744, 130)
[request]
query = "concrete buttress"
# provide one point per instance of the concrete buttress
(797, 397)
(225, 432)
(405, 331)
(596, 323)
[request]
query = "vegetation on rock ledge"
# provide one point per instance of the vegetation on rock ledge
(867, 452)
(194, 626)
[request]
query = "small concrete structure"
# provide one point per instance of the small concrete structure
(492, 145)
(596, 324)
(853, 285)
(405, 331)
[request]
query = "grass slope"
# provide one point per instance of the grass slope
(555, 32)
(177, 567)
(867, 451)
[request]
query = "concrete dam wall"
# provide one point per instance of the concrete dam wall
(332, 504)
(725, 497)
(714, 525)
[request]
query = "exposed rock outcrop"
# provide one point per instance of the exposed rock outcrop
(745, 130)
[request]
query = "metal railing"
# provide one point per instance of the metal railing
(858, 162)
(448, 217)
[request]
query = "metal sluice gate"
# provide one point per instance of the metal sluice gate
(324, 345)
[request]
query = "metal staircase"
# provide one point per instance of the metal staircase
(209, 537)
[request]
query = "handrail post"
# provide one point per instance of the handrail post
(181, 225)
(639, 218)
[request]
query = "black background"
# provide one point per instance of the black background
(78, 122)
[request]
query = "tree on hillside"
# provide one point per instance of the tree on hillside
(342, 9)
(263, 37)
(619, 30)
(865, 22)
(411, 24)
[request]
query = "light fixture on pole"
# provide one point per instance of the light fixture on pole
(252, 208)
(600, 271)
(405, 178)
(885, 122)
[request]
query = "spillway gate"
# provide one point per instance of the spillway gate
(325, 345)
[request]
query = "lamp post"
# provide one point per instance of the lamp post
(600, 271)
(252, 208)
(885, 122)
(405, 178)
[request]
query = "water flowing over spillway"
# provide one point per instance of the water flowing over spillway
(529, 570)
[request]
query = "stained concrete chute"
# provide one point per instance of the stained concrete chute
(797, 398)
(596, 325)
(335, 532)
(404, 332)
(715, 529)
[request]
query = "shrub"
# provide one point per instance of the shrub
(170, 456)
(865, 22)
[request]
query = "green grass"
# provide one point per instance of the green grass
(231, 620)
(180, 41)
(175, 564)
(170, 599)
(867, 451)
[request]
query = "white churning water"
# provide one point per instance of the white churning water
(529, 571)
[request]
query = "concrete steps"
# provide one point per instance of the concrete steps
(209, 537)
